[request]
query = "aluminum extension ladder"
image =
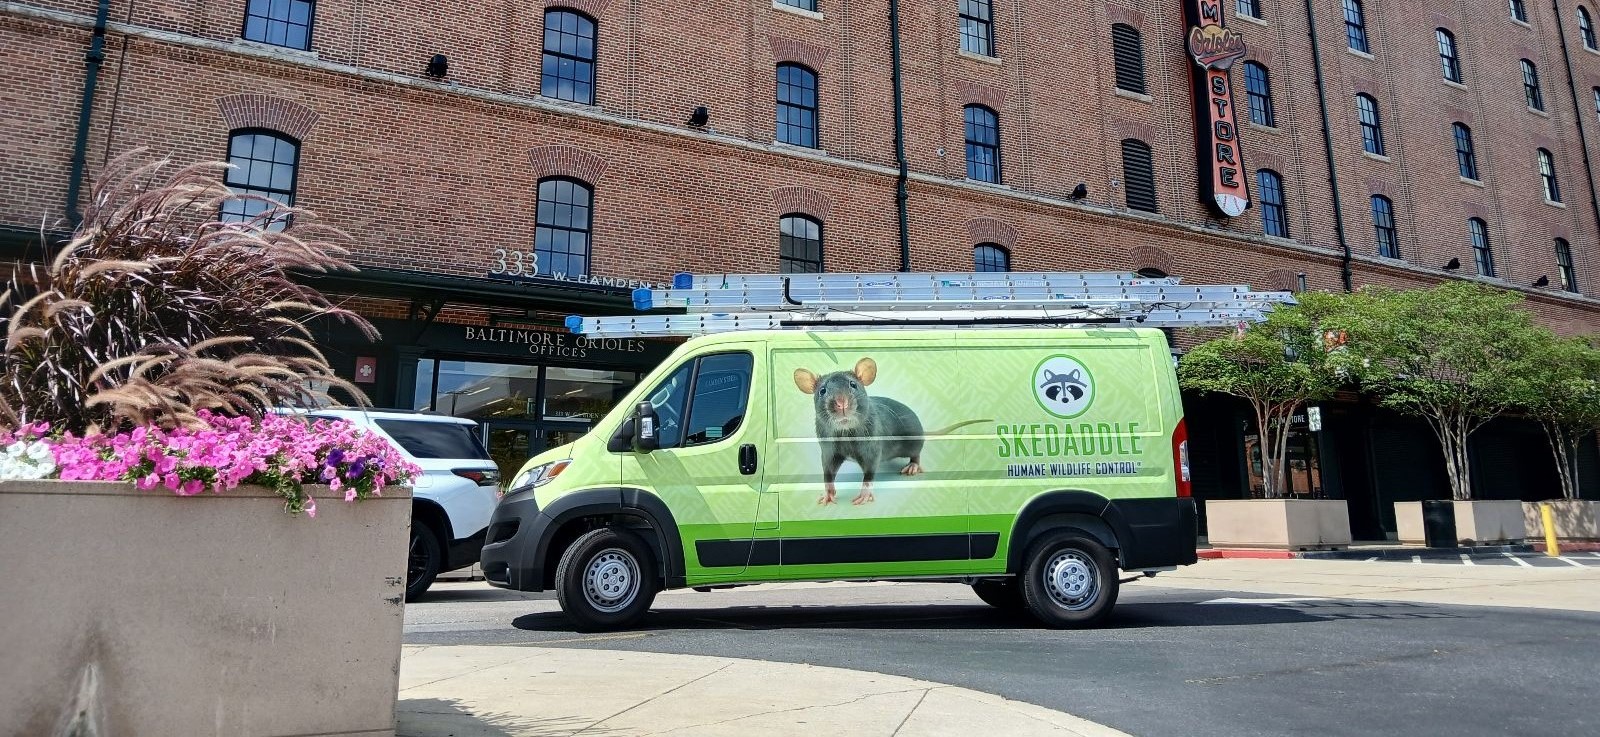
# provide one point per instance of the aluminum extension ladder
(718, 303)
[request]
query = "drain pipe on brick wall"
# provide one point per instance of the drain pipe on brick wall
(92, 62)
(900, 193)
(1577, 109)
(1327, 149)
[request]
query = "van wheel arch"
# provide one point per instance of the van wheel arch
(635, 510)
(1083, 511)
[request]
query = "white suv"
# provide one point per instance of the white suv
(452, 499)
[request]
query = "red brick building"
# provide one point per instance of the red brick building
(611, 141)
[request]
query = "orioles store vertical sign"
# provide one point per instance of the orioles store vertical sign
(1215, 49)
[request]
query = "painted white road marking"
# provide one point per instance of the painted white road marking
(1570, 562)
(1373, 558)
(1467, 560)
(1416, 559)
(1520, 562)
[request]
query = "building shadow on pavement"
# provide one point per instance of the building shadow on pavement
(463, 594)
(1132, 615)
(450, 718)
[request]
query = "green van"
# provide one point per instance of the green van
(1029, 463)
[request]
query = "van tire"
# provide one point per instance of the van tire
(1069, 580)
(606, 580)
(1004, 595)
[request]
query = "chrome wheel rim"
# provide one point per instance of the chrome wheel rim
(1072, 580)
(611, 581)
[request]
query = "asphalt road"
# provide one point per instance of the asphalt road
(1189, 663)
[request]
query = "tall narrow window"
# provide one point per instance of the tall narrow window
(1481, 252)
(797, 105)
(977, 27)
(1127, 50)
(1586, 27)
(1371, 124)
(1258, 88)
(1466, 157)
(1596, 92)
(1547, 173)
(1569, 275)
(1519, 10)
(1247, 8)
(1383, 227)
(1530, 86)
(1449, 58)
(566, 217)
(799, 245)
(264, 164)
(1138, 176)
(983, 144)
(1355, 26)
(280, 22)
(810, 5)
(990, 257)
(568, 57)
(1274, 220)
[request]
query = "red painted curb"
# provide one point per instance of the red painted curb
(1215, 553)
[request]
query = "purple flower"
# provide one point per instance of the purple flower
(335, 457)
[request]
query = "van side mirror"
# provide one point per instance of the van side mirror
(645, 436)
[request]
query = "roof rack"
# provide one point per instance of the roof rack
(717, 303)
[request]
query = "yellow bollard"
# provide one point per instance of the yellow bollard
(1550, 546)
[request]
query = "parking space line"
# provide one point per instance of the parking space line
(1466, 560)
(1569, 561)
(1373, 558)
(1416, 559)
(1519, 561)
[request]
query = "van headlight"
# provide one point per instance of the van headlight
(540, 475)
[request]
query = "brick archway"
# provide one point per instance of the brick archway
(804, 200)
(266, 111)
(1151, 258)
(567, 161)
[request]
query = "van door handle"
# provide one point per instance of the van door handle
(747, 459)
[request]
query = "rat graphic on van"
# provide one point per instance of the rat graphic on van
(852, 425)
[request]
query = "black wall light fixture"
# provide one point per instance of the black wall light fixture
(438, 66)
(1543, 281)
(1454, 264)
(700, 116)
(1081, 191)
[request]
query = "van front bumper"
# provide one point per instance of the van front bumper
(510, 558)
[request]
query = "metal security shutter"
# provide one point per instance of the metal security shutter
(1138, 176)
(1128, 51)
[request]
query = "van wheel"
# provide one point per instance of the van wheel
(606, 580)
(424, 559)
(1069, 581)
(1003, 595)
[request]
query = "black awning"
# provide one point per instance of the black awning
(543, 295)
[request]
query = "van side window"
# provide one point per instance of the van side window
(721, 394)
(668, 399)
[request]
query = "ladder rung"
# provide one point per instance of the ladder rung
(705, 323)
(907, 280)
(722, 300)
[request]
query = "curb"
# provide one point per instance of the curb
(1572, 547)
(1397, 553)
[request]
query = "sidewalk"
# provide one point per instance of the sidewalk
(1567, 587)
(515, 691)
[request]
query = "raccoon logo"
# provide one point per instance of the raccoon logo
(1063, 386)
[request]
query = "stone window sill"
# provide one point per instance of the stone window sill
(1522, 23)
(1561, 205)
(1456, 85)
(1265, 128)
(981, 183)
(276, 49)
(1250, 19)
(1538, 112)
(1362, 54)
(1131, 95)
(995, 60)
(797, 148)
(1376, 157)
(802, 12)
(1473, 182)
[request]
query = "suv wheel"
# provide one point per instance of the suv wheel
(425, 558)
(1069, 580)
(1005, 595)
(606, 580)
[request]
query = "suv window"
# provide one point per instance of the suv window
(435, 439)
(721, 391)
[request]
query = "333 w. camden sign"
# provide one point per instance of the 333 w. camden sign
(1223, 183)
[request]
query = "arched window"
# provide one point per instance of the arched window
(566, 218)
(284, 23)
(1274, 219)
(797, 105)
(799, 245)
(1530, 86)
(1127, 52)
(983, 144)
(1519, 10)
(977, 27)
(990, 257)
(1481, 253)
(1371, 124)
(1569, 275)
(1355, 26)
(1586, 27)
(568, 57)
(265, 164)
(1258, 88)
(1547, 173)
(1466, 157)
(1138, 176)
(1449, 58)
(1383, 227)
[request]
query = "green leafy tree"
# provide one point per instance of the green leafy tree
(1455, 355)
(1276, 365)
(1561, 389)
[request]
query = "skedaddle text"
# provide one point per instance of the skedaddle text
(1051, 440)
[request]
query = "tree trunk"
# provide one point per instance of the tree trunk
(1272, 421)
(1452, 433)
(1563, 446)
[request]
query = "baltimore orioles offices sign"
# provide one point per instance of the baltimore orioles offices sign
(1215, 49)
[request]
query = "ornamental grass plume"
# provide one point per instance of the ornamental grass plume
(157, 309)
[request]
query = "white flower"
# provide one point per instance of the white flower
(39, 450)
(16, 449)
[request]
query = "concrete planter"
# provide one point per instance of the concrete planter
(1576, 520)
(1285, 524)
(150, 613)
(1477, 522)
